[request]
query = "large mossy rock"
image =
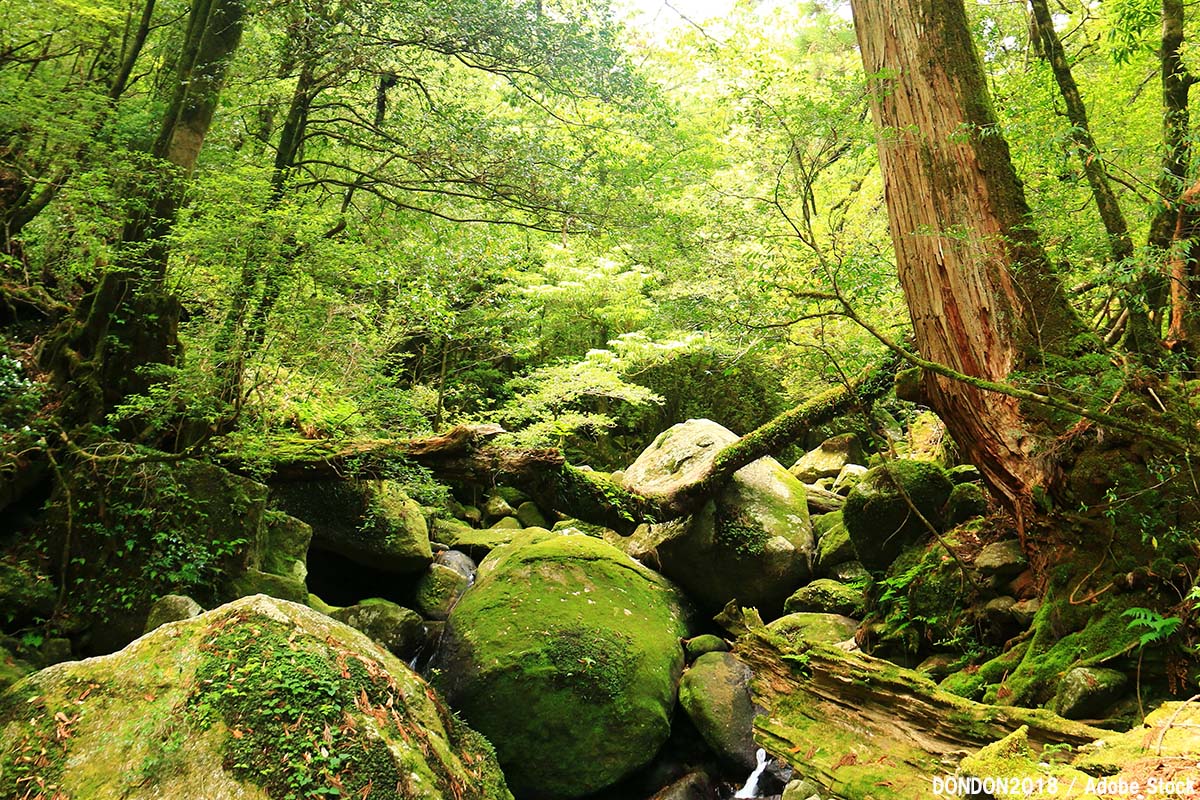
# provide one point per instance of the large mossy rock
(566, 654)
(878, 513)
(828, 459)
(373, 523)
(753, 544)
(131, 533)
(257, 699)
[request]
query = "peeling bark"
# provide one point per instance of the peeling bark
(984, 299)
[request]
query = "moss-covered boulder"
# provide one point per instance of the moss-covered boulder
(1086, 691)
(439, 589)
(394, 627)
(715, 693)
(754, 543)
(878, 515)
(828, 459)
(810, 626)
(828, 597)
(705, 643)
(257, 700)
(171, 608)
(833, 543)
(373, 523)
(566, 654)
(285, 551)
(130, 533)
(966, 501)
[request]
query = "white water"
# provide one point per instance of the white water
(751, 787)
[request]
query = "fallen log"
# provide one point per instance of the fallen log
(866, 728)
(467, 454)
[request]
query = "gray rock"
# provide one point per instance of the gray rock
(1025, 610)
(754, 543)
(399, 630)
(828, 459)
(802, 789)
(458, 561)
(693, 786)
(715, 693)
(1002, 560)
(1085, 692)
(823, 501)
(171, 608)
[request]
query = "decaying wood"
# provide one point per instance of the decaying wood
(864, 727)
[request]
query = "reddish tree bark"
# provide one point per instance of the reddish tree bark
(983, 297)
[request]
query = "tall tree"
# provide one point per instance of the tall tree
(129, 322)
(984, 299)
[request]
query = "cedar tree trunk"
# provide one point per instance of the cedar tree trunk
(983, 297)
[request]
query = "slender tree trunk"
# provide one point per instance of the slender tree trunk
(1183, 334)
(983, 297)
(129, 323)
(1145, 329)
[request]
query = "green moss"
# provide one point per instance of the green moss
(284, 706)
(565, 653)
(878, 515)
(744, 538)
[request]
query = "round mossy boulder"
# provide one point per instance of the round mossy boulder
(256, 700)
(566, 654)
(878, 513)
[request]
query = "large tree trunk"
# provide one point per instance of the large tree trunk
(983, 297)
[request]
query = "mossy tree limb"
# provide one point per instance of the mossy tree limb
(466, 455)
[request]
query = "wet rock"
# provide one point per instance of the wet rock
(715, 694)
(439, 589)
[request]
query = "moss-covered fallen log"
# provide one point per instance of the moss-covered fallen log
(467, 454)
(866, 728)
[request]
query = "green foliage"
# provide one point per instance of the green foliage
(284, 704)
(1157, 628)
